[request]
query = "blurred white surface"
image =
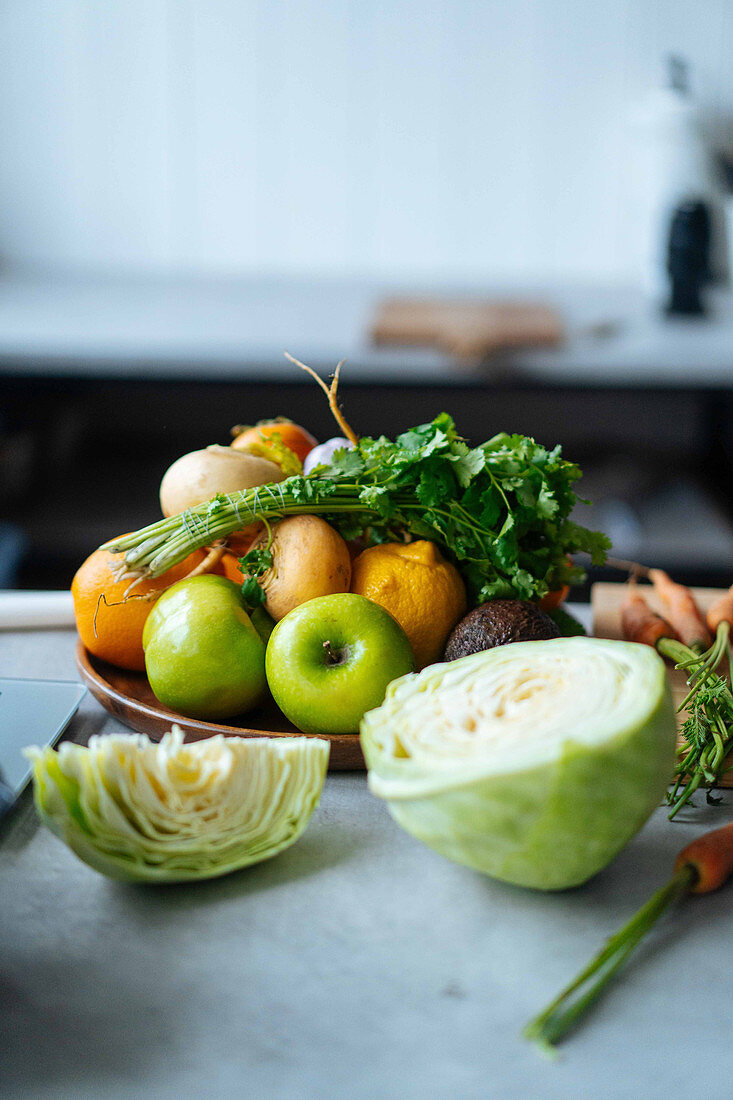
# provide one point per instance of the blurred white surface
(226, 136)
(20, 610)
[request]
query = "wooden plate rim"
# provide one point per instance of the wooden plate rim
(346, 754)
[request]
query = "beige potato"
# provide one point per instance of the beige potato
(200, 475)
(309, 559)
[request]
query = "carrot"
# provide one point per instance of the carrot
(684, 614)
(702, 866)
(711, 856)
(708, 729)
(721, 611)
(640, 624)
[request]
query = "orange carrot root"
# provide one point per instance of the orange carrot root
(721, 611)
(683, 612)
(640, 623)
(712, 857)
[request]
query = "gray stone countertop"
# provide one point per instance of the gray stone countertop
(356, 964)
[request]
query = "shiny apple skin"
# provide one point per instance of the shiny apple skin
(203, 656)
(317, 695)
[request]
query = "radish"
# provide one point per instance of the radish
(324, 452)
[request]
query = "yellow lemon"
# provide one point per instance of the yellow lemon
(423, 591)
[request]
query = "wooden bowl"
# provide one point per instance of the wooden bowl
(129, 697)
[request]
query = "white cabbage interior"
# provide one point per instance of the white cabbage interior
(188, 808)
(517, 703)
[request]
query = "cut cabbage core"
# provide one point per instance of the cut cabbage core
(517, 703)
(170, 812)
(494, 758)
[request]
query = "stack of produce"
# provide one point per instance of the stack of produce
(321, 573)
(410, 590)
(348, 571)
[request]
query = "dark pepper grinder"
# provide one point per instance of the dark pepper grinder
(688, 258)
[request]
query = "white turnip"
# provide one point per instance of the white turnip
(201, 475)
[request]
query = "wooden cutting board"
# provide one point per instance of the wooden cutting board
(471, 329)
(606, 600)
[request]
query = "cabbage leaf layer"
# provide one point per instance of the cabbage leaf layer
(534, 762)
(173, 812)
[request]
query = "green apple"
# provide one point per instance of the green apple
(330, 660)
(203, 656)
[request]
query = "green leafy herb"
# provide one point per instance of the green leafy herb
(253, 565)
(708, 728)
(215, 504)
(500, 511)
(567, 624)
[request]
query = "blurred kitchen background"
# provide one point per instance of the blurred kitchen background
(485, 207)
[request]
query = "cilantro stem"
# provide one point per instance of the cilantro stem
(497, 486)
(564, 1012)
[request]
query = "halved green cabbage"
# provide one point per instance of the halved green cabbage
(172, 812)
(534, 762)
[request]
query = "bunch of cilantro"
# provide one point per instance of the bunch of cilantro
(499, 511)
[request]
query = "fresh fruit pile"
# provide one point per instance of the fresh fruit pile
(322, 572)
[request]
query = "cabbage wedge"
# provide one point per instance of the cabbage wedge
(173, 812)
(534, 762)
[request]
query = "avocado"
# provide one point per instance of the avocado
(499, 622)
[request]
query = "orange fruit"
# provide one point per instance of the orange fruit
(293, 436)
(420, 589)
(110, 625)
(554, 599)
(239, 542)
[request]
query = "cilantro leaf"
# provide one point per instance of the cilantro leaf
(254, 565)
(501, 512)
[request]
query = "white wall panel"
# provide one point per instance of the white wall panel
(462, 138)
(84, 121)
